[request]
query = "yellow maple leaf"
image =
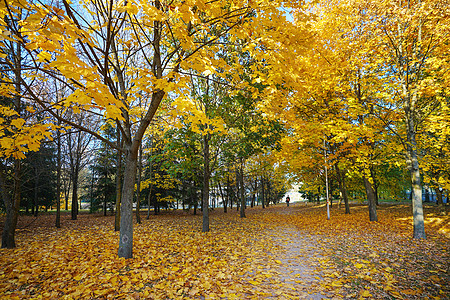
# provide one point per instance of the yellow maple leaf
(366, 294)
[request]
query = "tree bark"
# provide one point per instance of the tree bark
(58, 179)
(67, 191)
(75, 192)
(255, 190)
(206, 176)
(371, 199)
(126, 209)
(12, 209)
(375, 184)
(418, 216)
(149, 197)
(229, 197)
(224, 200)
(409, 99)
(263, 194)
(439, 199)
(241, 189)
(118, 183)
(342, 188)
(36, 186)
(12, 205)
(138, 192)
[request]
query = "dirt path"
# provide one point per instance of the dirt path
(299, 268)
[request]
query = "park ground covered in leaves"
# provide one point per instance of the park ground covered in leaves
(279, 252)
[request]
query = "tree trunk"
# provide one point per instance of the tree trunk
(263, 194)
(342, 188)
(138, 192)
(439, 199)
(371, 199)
(241, 189)
(126, 207)
(418, 216)
(75, 193)
(229, 197)
(58, 179)
(66, 192)
(118, 183)
(206, 176)
(427, 195)
(151, 184)
(149, 199)
(375, 184)
(224, 200)
(12, 206)
(413, 165)
(255, 191)
(36, 188)
(104, 205)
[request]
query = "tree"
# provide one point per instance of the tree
(131, 53)
(410, 43)
(103, 168)
(77, 150)
(17, 136)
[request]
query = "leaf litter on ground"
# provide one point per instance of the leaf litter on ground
(277, 252)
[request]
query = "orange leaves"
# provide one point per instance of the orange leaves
(171, 260)
(262, 256)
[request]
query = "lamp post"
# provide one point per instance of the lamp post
(326, 179)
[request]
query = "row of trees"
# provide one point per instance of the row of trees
(372, 97)
(184, 94)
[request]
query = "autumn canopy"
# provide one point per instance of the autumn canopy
(193, 100)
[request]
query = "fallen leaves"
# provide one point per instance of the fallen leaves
(261, 256)
(378, 259)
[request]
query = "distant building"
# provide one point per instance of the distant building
(294, 194)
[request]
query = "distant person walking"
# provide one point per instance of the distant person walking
(288, 200)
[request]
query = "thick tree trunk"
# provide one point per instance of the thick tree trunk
(118, 184)
(126, 208)
(12, 206)
(206, 176)
(418, 216)
(241, 189)
(410, 99)
(371, 199)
